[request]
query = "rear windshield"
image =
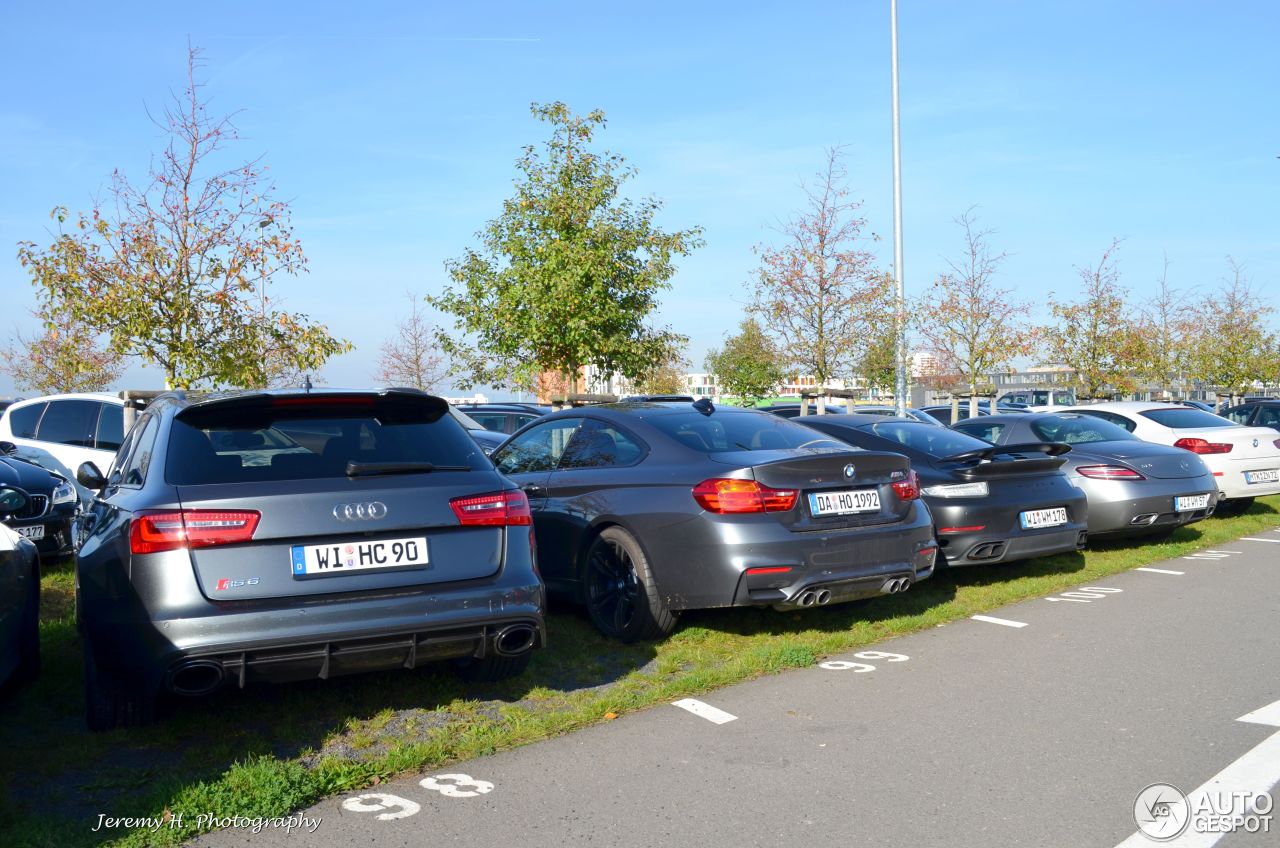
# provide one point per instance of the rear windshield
(1071, 430)
(926, 438)
(742, 432)
(1184, 418)
(303, 443)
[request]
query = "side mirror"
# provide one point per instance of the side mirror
(90, 477)
(11, 501)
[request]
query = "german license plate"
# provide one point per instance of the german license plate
(1270, 475)
(1034, 519)
(35, 533)
(845, 502)
(1186, 503)
(364, 555)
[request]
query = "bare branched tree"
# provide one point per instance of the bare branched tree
(1165, 332)
(412, 357)
(818, 293)
(64, 358)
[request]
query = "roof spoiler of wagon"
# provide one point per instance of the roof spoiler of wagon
(387, 405)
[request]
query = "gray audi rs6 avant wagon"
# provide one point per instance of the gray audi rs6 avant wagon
(281, 536)
(644, 509)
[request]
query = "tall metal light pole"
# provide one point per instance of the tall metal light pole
(900, 382)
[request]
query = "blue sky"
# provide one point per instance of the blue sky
(393, 128)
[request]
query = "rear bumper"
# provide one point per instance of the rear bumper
(704, 562)
(278, 642)
(1001, 537)
(1117, 512)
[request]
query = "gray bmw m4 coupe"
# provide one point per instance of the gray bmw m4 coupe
(643, 509)
(281, 536)
(1135, 488)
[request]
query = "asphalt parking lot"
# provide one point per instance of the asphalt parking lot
(1037, 725)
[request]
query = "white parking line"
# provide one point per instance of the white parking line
(1233, 790)
(710, 713)
(1256, 539)
(1006, 622)
(1159, 570)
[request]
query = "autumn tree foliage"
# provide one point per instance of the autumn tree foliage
(818, 291)
(969, 323)
(878, 365)
(665, 377)
(749, 366)
(1096, 336)
(1234, 347)
(412, 356)
(66, 357)
(176, 270)
(568, 275)
(1166, 334)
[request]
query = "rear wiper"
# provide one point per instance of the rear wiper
(373, 469)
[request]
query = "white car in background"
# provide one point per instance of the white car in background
(1039, 400)
(1244, 460)
(73, 428)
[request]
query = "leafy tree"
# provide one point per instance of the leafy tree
(819, 293)
(411, 357)
(879, 363)
(970, 324)
(1097, 335)
(749, 366)
(175, 271)
(1234, 347)
(1166, 330)
(66, 357)
(665, 377)
(568, 275)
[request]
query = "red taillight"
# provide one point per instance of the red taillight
(1109, 472)
(968, 528)
(725, 495)
(769, 569)
(154, 532)
(497, 509)
(908, 489)
(1202, 446)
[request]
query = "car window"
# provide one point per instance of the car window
(1238, 414)
(1063, 398)
(981, 430)
(69, 422)
(310, 441)
(1268, 416)
(935, 441)
(1079, 430)
(597, 444)
(522, 420)
(23, 420)
(741, 432)
(495, 421)
(1185, 418)
(116, 471)
(537, 449)
(1110, 417)
(135, 472)
(110, 428)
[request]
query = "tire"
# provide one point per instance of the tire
(1235, 506)
(622, 597)
(492, 668)
(29, 634)
(109, 704)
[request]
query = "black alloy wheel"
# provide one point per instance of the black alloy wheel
(622, 598)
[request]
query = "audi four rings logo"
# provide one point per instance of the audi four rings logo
(360, 511)
(849, 470)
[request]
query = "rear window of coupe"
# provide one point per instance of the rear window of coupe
(1079, 431)
(1184, 418)
(928, 439)
(302, 444)
(741, 432)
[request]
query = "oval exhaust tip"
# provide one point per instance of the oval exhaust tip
(195, 678)
(515, 639)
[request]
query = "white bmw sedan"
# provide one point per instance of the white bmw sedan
(1244, 460)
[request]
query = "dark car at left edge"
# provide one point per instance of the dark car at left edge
(50, 502)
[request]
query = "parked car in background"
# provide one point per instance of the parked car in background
(1245, 461)
(642, 510)
(487, 439)
(989, 503)
(917, 414)
(50, 503)
(1135, 488)
(1257, 413)
(1039, 400)
(942, 412)
(19, 598)
(388, 541)
(504, 418)
(74, 428)
(6, 402)
(792, 410)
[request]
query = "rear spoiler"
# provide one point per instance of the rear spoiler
(385, 403)
(983, 464)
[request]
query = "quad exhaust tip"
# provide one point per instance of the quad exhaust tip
(900, 584)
